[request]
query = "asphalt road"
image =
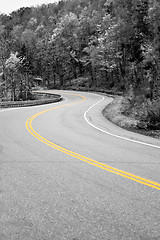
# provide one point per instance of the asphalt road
(69, 174)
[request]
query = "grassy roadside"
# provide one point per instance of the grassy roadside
(39, 98)
(114, 112)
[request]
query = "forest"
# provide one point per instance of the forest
(105, 45)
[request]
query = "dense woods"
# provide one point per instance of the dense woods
(85, 44)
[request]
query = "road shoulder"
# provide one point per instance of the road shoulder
(114, 113)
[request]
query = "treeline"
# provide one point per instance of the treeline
(112, 44)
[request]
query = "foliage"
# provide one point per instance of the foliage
(114, 44)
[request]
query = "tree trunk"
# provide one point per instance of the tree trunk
(91, 71)
(74, 68)
(80, 67)
(61, 79)
(54, 78)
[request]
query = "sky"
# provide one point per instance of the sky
(8, 6)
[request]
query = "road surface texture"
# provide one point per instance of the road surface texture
(69, 174)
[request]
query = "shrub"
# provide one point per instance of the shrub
(149, 115)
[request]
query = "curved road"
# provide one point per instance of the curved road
(69, 174)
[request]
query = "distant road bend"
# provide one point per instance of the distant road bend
(75, 175)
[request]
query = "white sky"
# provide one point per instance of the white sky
(8, 6)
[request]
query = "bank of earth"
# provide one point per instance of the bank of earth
(114, 113)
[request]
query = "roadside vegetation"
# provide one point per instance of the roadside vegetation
(107, 45)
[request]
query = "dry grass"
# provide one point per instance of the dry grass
(115, 113)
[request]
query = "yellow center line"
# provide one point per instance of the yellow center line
(81, 157)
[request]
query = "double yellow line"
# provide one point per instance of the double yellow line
(108, 168)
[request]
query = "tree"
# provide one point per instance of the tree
(11, 69)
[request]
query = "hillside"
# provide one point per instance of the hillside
(107, 44)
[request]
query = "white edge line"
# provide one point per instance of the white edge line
(111, 134)
(8, 109)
